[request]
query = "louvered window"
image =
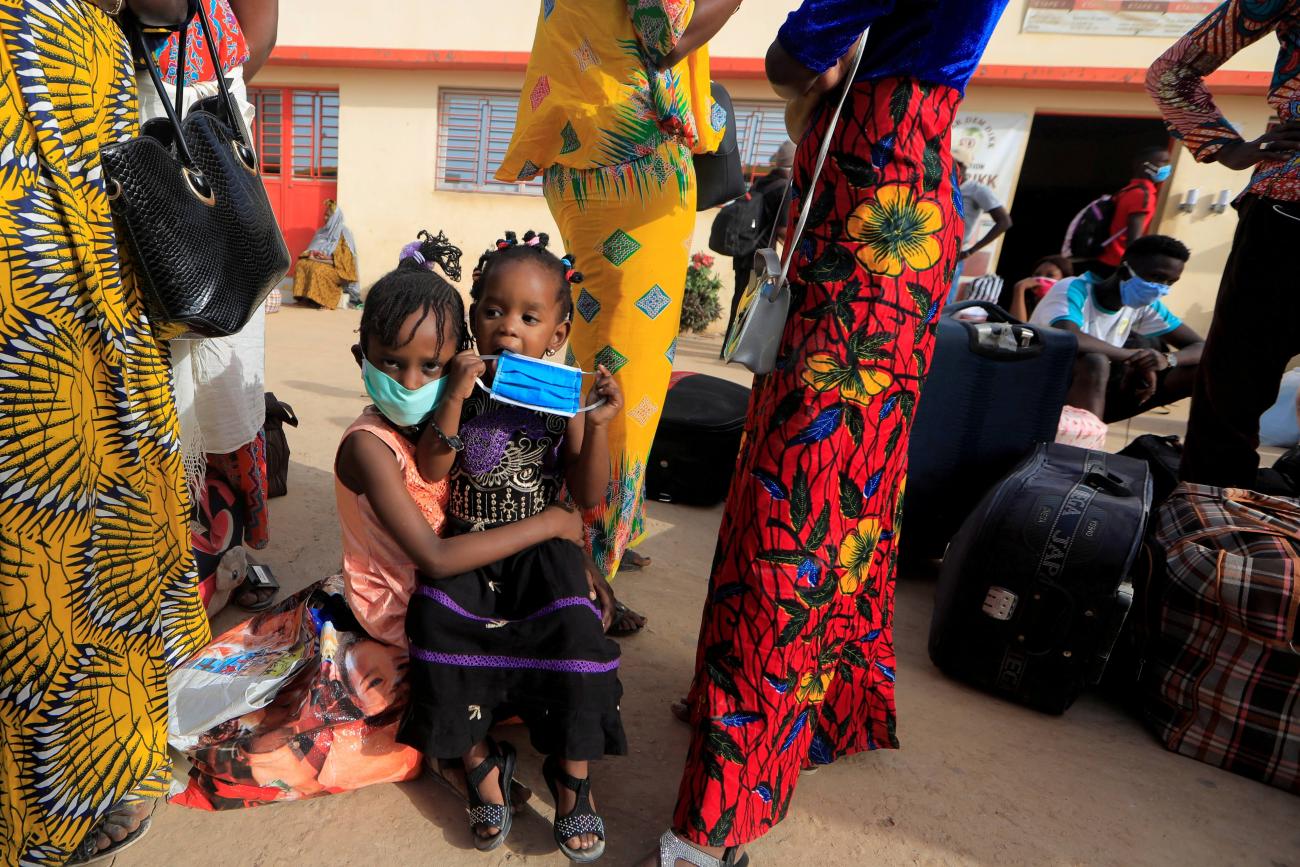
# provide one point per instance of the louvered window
(474, 129)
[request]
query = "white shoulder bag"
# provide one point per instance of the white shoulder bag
(755, 335)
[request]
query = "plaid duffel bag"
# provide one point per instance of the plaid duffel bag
(1221, 675)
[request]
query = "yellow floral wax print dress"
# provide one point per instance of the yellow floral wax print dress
(612, 135)
(97, 595)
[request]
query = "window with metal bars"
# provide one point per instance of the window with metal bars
(268, 125)
(312, 120)
(474, 130)
(760, 130)
(475, 126)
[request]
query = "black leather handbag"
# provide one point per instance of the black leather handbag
(718, 176)
(190, 208)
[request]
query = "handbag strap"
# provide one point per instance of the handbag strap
(135, 33)
(233, 111)
(821, 161)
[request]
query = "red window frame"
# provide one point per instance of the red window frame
(306, 122)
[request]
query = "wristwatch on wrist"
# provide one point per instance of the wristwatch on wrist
(455, 443)
(1171, 358)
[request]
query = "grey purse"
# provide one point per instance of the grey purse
(755, 335)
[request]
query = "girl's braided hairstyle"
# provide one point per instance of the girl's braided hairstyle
(413, 287)
(532, 248)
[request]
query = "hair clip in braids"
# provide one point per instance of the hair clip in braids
(533, 248)
(431, 250)
(570, 274)
(412, 252)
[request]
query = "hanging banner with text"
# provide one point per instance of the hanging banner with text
(1165, 18)
(996, 143)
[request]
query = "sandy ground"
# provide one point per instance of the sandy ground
(978, 781)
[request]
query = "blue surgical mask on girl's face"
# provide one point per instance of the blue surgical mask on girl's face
(399, 404)
(1162, 174)
(537, 384)
(1136, 292)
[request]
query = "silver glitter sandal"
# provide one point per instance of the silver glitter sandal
(673, 849)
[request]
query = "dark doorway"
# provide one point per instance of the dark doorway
(1070, 160)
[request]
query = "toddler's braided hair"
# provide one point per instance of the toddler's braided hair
(532, 247)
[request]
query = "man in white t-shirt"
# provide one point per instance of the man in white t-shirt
(1111, 380)
(976, 200)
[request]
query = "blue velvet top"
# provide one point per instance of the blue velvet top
(935, 41)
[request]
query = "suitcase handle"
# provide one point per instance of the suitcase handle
(1109, 628)
(1107, 483)
(1028, 339)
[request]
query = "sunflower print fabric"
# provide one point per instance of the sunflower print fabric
(795, 665)
(97, 594)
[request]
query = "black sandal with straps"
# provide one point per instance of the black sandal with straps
(582, 819)
(483, 814)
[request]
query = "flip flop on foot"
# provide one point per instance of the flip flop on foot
(258, 591)
(633, 562)
(120, 829)
(626, 621)
(681, 710)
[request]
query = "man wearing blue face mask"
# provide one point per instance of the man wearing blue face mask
(1135, 207)
(1111, 381)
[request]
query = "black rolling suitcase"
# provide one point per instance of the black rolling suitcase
(1034, 588)
(993, 392)
(694, 452)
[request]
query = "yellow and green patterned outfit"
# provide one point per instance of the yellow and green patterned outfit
(612, 137)
(97, 594)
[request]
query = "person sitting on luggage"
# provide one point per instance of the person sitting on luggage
(1111, 381)
(1027, 293)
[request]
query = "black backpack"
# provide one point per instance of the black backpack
(1089, 231)
(1087, 235)
(1163, 455)
(738, 228)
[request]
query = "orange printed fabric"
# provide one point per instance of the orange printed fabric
(1176, 81)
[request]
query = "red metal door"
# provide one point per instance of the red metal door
(297, 134)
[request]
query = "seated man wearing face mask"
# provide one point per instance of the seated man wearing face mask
(1111, 381)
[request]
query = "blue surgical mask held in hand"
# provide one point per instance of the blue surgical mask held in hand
(535, 383)
(399, 404)
(1136, 292)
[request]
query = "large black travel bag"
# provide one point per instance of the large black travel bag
(1163, 455)
(694, 452)
(1034, 588)
(994, 391)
